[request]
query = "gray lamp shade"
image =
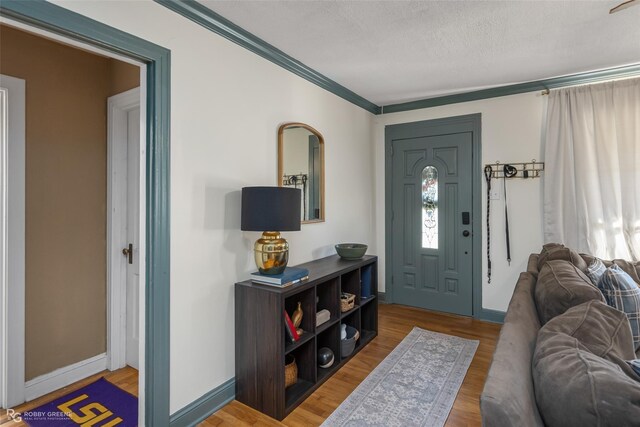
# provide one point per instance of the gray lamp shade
(271, 209)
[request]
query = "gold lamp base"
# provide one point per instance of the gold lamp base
(271, 253)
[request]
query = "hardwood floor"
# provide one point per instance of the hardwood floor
(395, 322)
(125, 378)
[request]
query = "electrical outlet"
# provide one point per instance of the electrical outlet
(495, 195)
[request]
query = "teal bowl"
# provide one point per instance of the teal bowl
(351, 250)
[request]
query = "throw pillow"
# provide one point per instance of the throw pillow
(561, 285)
(635, 365)
(622, 293)
(595, 270)
(632, 269)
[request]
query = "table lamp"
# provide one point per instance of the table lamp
(268, 209)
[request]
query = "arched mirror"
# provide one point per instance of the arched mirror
(301, 165)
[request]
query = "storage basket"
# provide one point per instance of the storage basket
(347, 301)
(290, 371)
(348, 344)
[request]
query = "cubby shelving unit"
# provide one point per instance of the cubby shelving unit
(261, 343)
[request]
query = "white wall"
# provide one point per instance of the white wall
(512, 129)
(226, 106)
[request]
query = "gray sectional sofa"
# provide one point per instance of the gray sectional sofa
(578, 360)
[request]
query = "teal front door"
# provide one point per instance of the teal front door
(432, 219)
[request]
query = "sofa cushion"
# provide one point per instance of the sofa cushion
(561, 253)
(623, 293)
(561, 285)
(580, 370)
(565, 254)
(547, 249)
(595, 270)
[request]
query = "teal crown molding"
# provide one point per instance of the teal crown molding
(204, 16)
(61, 21)
(556, 82)
(209, 19)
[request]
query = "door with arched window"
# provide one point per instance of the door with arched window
(432, 238)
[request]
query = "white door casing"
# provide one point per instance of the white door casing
(133, 235)
(12, 240)
(123, 228)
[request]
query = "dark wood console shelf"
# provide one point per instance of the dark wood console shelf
(261, 344)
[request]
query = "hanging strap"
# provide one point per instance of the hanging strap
(488, 171)
(508, 172)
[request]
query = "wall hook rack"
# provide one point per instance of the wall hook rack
(295, 180)
(532, 169)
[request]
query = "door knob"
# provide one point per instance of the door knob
(466, 233)
(128, 252)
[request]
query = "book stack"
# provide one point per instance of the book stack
(290, 276)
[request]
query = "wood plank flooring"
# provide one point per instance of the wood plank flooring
(395, 322)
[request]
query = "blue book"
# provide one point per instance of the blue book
(289, 276)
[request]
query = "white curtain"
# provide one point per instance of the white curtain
(592, 176)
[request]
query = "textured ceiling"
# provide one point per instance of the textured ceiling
(397, 51)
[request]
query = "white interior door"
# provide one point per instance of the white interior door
(133, 236)
(124, 195)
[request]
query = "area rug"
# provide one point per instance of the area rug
(99, 404)
(415, 385)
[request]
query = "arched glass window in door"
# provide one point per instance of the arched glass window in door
(430, 207)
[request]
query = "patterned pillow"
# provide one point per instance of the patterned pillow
(595, 270)
(622, 293)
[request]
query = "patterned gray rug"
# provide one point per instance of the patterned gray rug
(415, 385)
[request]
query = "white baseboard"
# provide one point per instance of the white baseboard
(62, 377)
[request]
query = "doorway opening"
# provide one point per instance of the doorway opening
(70, 26)
(68, 310)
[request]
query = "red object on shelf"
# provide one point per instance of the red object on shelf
(290, 327)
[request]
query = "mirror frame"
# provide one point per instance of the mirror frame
(281, 130)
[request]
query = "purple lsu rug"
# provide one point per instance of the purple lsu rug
(100, 404)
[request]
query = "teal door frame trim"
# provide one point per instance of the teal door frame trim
(468, 123)
(538, 85)
(61, 21)
(204, 16)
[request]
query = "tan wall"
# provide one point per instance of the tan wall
(122, 76)
(66, 92)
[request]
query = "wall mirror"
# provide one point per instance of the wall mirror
(301, 165)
